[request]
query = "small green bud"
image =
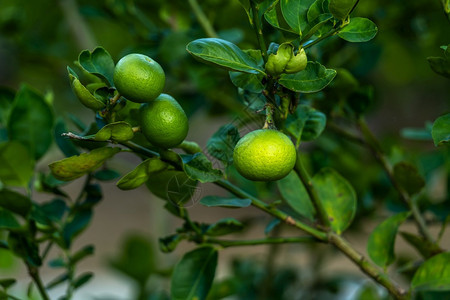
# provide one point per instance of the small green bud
(276, 63)
(297, 62)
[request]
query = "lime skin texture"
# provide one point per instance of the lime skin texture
(163, 122)
(264, 155)
(139, 78)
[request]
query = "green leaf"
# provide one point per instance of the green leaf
(440, 65)
(337, 196)
(274, 17)
(441, 130)
(98, 62)
(382, 239)
(341, 8)
(76, 166)
(81, 254)
(7, 283)
(295, 13)
(169, 243)
(294, 193)
(246, 5)
(141, 173)
(222, 143)
(84, 95)
(31, 122)
(359, 30)
(408, 177)
(6, 102)
(136, 258)
(224, 226)
(24, 247)
(174, 186)
(213, 201)
(433, 274)
(118, 132)
(82, 279)
(8, 221)
(315, 10)
(224, 55)
(305, 124)
(312, 79)
(57, 280)
(15, 202)
(17, 166)
(250, 82)
(426, 248)
(65, 145)
(106, 175)
(49, 212)
(198, 167)
(194, 274)
(77, 224)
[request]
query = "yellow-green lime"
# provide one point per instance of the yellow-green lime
(264, 155)
(163, 122)
(139, 78)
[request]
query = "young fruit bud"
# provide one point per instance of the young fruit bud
(297, 62)
(277, 62)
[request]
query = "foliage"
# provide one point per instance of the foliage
(293, 71)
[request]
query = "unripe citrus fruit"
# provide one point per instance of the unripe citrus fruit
(163, 122)
(264, 155)
(139, 78)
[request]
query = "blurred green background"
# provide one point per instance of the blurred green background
(38, 39)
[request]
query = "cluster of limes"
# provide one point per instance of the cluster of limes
(140, 79)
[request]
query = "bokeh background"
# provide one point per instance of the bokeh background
(38, 39)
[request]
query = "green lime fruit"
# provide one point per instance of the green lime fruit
(264, 155)
(163, 122)
(139, 78)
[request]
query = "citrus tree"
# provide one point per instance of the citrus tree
(292, 97)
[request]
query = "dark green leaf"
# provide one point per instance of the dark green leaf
(272, 224)
(274, 17)
(223, 54)
(15, 202)
(341, 8)
(294, 193)
(106, 175)
(295, 13)
(118, 132)
(17, 165)
(423, 246)
(81, 254)
(315, 10)
(433, 274)
(57, 263)
(194, 274)
(141, 174)
(64, 144)
(77, 166)
(312, 79)
(222, 143)
(246, 5)
(98, 62)
(169, 243)
(31, 122)
(440, 65)
(359, 30)
(60, 279)
(212, 201)
(8, 221)
(441, 130)
(136, 258)
(25, 248)
(198, 167)
(6, 102)
(337, 196)
(75, 226)
(82, 279)
(7, 283)
(249, 82)
(174, 186)
(408, 177)
(382, 239)
(305, 124)
(224, 226)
